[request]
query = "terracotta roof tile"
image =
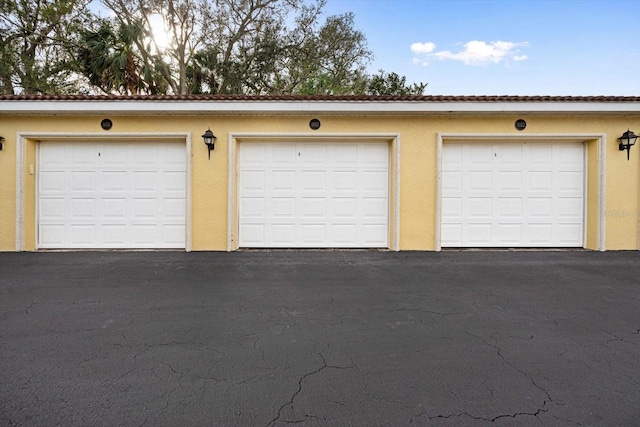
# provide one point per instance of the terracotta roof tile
(328, 98)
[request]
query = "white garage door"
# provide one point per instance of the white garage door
(313, 195)
(111, 195)
(512, 194)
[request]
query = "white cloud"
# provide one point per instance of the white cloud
(475, 52)
(421, 48)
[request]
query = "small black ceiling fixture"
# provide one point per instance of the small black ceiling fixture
(314, 124)
(106, 124)
(520, 124)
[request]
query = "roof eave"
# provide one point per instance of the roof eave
(198, 107)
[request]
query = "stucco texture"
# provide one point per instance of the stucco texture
(417, 139)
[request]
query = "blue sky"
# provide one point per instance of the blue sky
(504, 47)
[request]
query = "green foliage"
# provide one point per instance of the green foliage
(216, 47)
(37, 39)
(385, 83)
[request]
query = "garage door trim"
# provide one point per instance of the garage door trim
(22, 170)
(600, 139)
(394, 165)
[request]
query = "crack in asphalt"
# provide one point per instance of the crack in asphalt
(514, 415)
(508, 363)
(491, 420)
(299, 390)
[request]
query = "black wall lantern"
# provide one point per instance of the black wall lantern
(627, 140)
(209, 140)
(1, 139)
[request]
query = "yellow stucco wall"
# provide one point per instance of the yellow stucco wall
(418, 137)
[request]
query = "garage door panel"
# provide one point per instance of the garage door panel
(541, 181)
(83, 208)
(510, 180)
(144, 234)
(375, 234)
(510, 155)
(306, 203)
(52, 235)
(540, 233)
(540, 207)
(479, 234)
(282, 155)
(84, 155)
(83, 181)
(313, 180)
(253, 233)
(283, 234)
(569, 233)
(570, 181)
(113, 156)
(282, 180)
(252, 180)
(377, 180)
(345, 207)
(115, 181)
(451, 234)
(312, 154)
(314, 207)
(281, 207)
(538, 203)
(345, 180)
(511, 207)
(114, 235)
(144, 208)
(112, 195)
(173, 234)
(452, 181)
(569, 155)
(345, 234)
(373, 155)
(53, 208)
(175, 181)
(452, 156)
(145, 181)
(480, 180)
(478, 154)
(510, 233)
(374, 207)
(480, 207)
(52, 156)
(253, 207)
(452, 208)
(346, 155)
(540, 153)
(82, 235)
(51, 181)
(313, 234)
(173, 209)
(114, 208)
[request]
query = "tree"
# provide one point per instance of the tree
(245, 46)
(385, 83)
(331, 60)
(215, 46)
(110, 60)
(36, 45)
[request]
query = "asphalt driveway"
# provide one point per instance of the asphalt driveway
(320, 338)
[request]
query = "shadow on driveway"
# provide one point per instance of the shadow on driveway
(320, 338)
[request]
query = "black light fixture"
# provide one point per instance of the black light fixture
(1, 139)
(627, 140)
(209, 140)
